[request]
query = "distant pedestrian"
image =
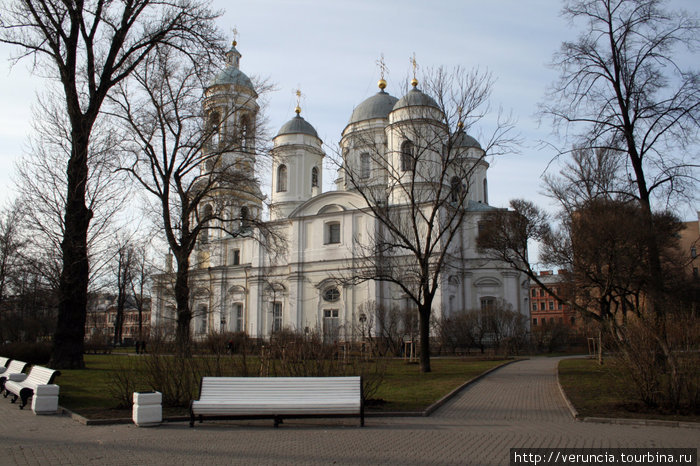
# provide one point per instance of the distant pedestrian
(138, 347)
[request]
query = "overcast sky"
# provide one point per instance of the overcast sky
(330, 49)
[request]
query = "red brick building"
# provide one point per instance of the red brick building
(544, 308)
(102, 315)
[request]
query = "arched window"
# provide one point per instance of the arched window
(364, 165)
(455, 189)
(245, 215)
(215, 127)
(314, 177)
(486, 192)
(282, 178)
(407, 158)
(246, 133)
(331, 294)
(207, 214)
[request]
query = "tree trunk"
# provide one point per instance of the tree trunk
(424, 330)
(184, 314)
(68, 343)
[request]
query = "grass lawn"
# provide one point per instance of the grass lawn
(90, 392)
(600, 391)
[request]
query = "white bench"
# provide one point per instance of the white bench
(278, 398)
(39, 385)
(14, 367)
(3, 363)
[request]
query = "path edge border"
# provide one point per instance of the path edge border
(619, 420)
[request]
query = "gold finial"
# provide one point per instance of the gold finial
(382, 70)
(414, 63)
(297, 109)
(460, 125)
(235, 36)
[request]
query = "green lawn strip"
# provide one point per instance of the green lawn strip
(405, 388)
(600, 391)
(90, 392)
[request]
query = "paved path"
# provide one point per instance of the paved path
(516, 406)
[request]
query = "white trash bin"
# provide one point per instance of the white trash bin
(148, 409)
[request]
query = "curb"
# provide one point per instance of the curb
(439, 403)
(619, 420)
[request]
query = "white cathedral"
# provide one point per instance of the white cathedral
(238, 285)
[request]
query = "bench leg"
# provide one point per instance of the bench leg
(191, 419)
(278, 421)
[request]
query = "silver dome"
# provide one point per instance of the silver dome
(297, 125)
(377, 106)
(415, 98)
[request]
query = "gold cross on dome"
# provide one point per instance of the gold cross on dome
(299, 95)
(414, 64)
(235, 35)
(382, 66)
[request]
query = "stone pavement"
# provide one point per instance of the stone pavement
(518, 405)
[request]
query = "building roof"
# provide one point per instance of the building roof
(232, 74)
(462, 139)
(415, 98)
(377, 106)
(297, 125)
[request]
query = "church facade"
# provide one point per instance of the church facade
(237, 284)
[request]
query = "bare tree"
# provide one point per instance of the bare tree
(186, 165)
(42, 185)
(140, 278)
(420, 188)
(90, 46)
(123, 266)
(622, 89)
(11, 245)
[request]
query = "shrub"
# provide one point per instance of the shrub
(33, 353)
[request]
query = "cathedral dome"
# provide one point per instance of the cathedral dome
(377, 106)
(297, 125)
(462, 139)
(415, 98)
(232, 75)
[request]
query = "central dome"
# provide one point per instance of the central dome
(415, 98)
(377, 106)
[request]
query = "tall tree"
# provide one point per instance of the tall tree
(420, 192)
(623, 89)
(42, 184)
(124, 270)
(90, 46)
(186, 164)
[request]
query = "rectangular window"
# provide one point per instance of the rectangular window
(333, 233)
(487, 303)
(237, 317)
(534, 293)
(560, 306)
(534, 306)
(534, 321)
(551, 305)
(543, 306)
(276, 317)
(364, 165)
(331, 325)
(235, 257)
(693, 252)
